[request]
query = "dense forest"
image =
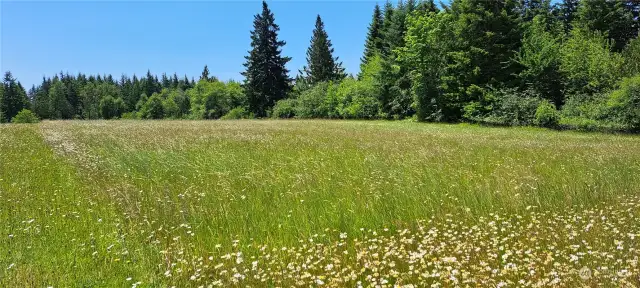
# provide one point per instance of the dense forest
(573, 64)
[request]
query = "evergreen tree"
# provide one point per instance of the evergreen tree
(427, 6)
(150, 85)
(374, 43)
(59, 106)
(174, 81)
(166, 83)
(386, 26)
(266, 77)
(14, 97)
(205, 74)
(184, 83)
(321, 65)
(3, 119)
(531, 8)
(395, 29)
(611, 17)
(567, 13)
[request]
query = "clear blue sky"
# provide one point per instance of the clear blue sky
(107, 37)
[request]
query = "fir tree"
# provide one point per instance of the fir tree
(174, 81)
(205, 74)
(59, 106)
(386, 26)
(14, 97)
(610, 17)
(266, 77)
(568, 11)
(150, 84)
(374, 44)
(166, 83)
(321, 65)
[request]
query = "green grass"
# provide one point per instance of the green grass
(95, 203)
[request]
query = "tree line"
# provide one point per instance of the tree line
(574, 64)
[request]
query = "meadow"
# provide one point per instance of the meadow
(315, 203)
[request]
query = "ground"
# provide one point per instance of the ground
(315, 203)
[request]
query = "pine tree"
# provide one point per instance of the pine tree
(266, 77)
(321, 65)
(205, 74)
(374, 44)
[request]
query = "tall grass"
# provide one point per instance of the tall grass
(112, 203)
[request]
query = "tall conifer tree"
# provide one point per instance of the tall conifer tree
(266, 77)
(374, 44)
(321, 65)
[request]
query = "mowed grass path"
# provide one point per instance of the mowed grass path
(114, 203)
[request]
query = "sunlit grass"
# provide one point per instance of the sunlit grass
(283, 203)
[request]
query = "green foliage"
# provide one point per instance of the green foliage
(205, 74)
(428, 42)
(212, 100)
(112, 107)
(238, 113)
(59, 106)
(540, 59)
(374, 43)
(311, 104)
(546, 115)
(152, 108)
(13, 98)
(631, 56)
(25, 116)
(92, 96)
(567, 13)
(176, 103)
(357, 99)
(588, 64)
(610, 17)
(285, 108)
(266, 77)
(321, 65)
(129, 115)
(625, 103)
(504, 107)
(3, 118)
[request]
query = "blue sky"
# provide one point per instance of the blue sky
(114, 37)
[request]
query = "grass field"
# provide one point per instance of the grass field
(315, 203)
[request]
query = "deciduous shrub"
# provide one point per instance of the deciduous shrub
(504, 107)
(625, 103)
(25, 116)
(357, 99)
(237, 113)
(112, 107)
(285, 108)
(546, 115)
(311, 103)
(152, 108)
